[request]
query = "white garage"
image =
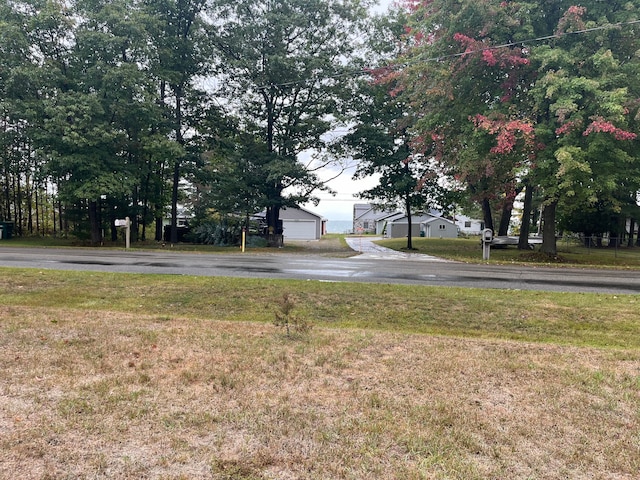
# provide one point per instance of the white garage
(301, 224)
(299, 229)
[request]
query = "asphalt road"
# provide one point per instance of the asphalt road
(377, 266)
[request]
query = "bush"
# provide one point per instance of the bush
(256, 241)
(223, 233)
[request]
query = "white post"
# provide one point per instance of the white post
(127, 233)
(486, 250)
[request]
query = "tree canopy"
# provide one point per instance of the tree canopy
(543, 93)
(132, 107)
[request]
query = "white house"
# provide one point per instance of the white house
(468, 225)
(366, 218)
(302, 224)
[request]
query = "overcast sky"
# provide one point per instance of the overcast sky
(340, 206)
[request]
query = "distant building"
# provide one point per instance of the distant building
(468, 225)
(366, 218)
(302, 224)
(298, 223)
(438, 227)
(423, 225)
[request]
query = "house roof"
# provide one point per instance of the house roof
(302, 210)
(433, 219)
(366, 210)
(416, 218)
(390, 217)
(263, 213)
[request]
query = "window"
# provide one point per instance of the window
(443, 227)
(467, 224)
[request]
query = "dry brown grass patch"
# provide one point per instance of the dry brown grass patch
(111, 395)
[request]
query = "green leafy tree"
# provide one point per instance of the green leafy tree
(14, 58)
(583, 107)
(380, 140)
(526, 74)
(459, 95)
(230, 180)
(180, 54)
(99, 111)
(280, 66)
(92, 108)
(21, 177)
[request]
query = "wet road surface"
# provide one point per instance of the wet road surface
(373, 264)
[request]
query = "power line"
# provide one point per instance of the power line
(367, 71)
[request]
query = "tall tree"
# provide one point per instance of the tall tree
(583, 108)
(99, 111)
(380, 139)
(20, 169)
(280, 67)
(458, 96)
(178, 32)
(494, 68)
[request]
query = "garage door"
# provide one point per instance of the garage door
(299, 229)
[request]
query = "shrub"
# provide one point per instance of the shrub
(222, 233)
(285, 318)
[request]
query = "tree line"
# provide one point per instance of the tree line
(134, 107)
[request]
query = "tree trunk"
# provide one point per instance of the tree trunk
(274, 224)
(407, 207)
(159, 232)
(112, 223)
(549, 229)
(505, 219)
(174, 202)
(36, 199)
(94, 221)
(409, 224)
(18, 206)
(615, 237)
(486, 211)
(274, 227)
(178, 92)
(632, 226)
(523, 240)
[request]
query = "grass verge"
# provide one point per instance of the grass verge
(603, 320)
(131, 376)
(569, 253)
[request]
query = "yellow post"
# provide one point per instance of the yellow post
(244, 238)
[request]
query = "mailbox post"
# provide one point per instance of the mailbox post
(126, 223)
(487, 237)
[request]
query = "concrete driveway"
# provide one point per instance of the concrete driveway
(369, 250)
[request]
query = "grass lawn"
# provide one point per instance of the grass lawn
(173, 377)
(570, 253)
(332, 245)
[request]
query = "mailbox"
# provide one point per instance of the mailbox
(487, 235)
(126, 223)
